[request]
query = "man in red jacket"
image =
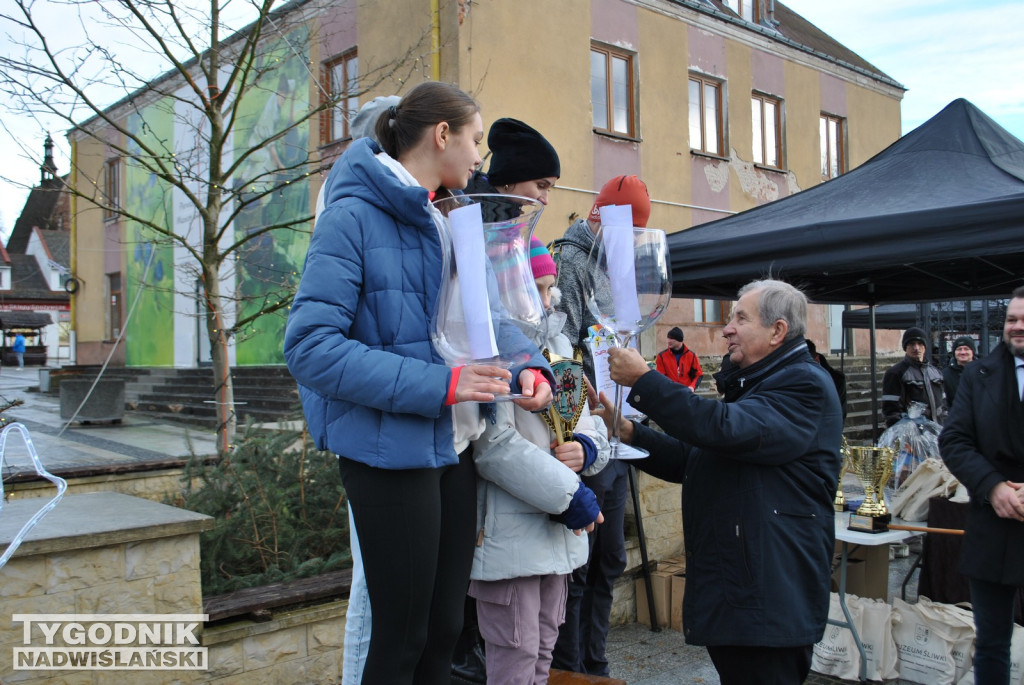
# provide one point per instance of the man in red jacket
(679, 362)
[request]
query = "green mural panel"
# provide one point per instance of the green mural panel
(271, 261)
(149, 271)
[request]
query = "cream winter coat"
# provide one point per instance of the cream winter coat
(521, 483)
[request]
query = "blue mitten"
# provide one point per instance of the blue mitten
(582, 510)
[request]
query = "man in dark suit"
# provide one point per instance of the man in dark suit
(983, 445)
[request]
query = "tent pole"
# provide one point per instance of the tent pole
(874, 371)
(983, 338)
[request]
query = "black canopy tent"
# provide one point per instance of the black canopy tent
(938, 215)
(983, 318)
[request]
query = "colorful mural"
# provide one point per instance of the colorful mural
(149, 273)
(271, 261)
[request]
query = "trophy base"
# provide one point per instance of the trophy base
(869, 524)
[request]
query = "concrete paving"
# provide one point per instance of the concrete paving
(642, 657)
(136, 441)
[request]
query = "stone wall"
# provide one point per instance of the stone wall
(107, 553)
(162, 485)
(661, 509)
(300, 646)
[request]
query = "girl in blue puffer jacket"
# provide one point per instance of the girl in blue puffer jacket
(374, 390)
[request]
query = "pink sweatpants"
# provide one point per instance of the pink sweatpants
(519, 621)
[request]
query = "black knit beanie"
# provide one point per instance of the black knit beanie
(968, 341)
(676, 333)
(913, 334)
(519, 153)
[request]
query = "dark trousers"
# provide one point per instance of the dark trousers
(993, 606)
(416, 530)
(762, 665)
(583, 636)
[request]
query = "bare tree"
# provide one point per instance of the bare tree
(243, 95)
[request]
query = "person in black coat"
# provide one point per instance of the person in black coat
(838, 377)
(983, 446)
(964, 352)
(759, 472)
(913, 379)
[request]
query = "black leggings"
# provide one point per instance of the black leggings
(416, 532)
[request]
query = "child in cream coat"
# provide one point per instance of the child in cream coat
(533, 514)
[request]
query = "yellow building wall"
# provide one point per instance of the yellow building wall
(511, 58)
(803, 108)
(879, 123)
(98, 252)
(665, 149)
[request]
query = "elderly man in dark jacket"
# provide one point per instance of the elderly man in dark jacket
(759, 471)
(983, 445)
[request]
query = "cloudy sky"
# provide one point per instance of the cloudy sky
(938, 49)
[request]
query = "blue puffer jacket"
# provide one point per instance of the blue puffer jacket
(358, 338)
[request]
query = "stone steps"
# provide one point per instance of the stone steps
(266, 394)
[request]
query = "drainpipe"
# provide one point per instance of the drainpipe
(435, 40)
(72, 303)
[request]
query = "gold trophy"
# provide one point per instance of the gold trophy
(570, 395)
(839, 503)
(873, 466)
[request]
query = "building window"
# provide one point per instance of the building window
(748, 9)
(767, 129)
(611, 90)
(343, 89)
(706, 125)
(833, 150)
(112, 188)
(114, 308)
(708, 311)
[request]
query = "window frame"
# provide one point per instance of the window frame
(764, 99)
(704, 81)
(610, 53)
(701, 308)
(825, 144)
(115, 290)
(335, 115)
(112, 188)
(753, 7)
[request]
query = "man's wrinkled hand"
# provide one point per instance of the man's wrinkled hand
(625, 365)
(604, 410)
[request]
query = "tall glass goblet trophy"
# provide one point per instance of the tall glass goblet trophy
(628, 288)
(487, 288)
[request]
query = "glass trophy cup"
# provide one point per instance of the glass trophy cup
(628, 288)
(487, 288)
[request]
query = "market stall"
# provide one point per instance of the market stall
(30, 325)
